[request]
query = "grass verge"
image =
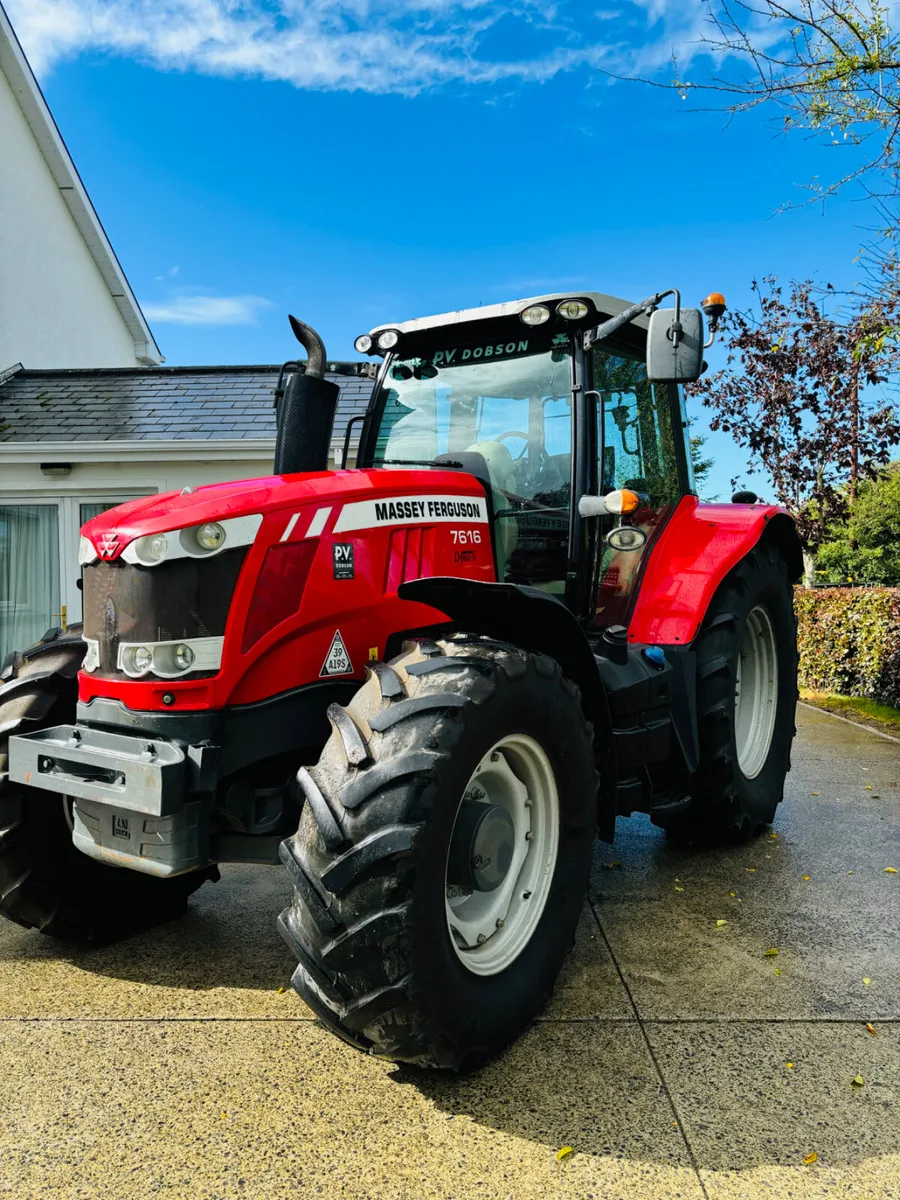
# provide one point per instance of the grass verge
(866, 712)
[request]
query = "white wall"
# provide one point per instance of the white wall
(25, 479)
(55, 309)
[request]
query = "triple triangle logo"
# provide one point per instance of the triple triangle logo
(337, 660)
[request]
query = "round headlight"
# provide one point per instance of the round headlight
(157, 547)
(535, 314)
(388, 339)
(211, 536)
(184, 657)
(363, 343)
(141, 659)
(572, 310)
(626, 537)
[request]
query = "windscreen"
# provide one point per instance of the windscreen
(510, 401)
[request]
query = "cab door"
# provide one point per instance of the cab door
(640, 435)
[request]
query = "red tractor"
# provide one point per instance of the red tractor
(424, 685)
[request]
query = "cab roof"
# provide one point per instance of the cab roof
(607, 306)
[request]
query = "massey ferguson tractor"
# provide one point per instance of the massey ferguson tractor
(424, 685)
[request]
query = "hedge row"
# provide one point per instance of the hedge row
(849, 641)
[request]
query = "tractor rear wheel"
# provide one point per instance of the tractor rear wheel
(746, 699)
(442, 858)
(45, 882)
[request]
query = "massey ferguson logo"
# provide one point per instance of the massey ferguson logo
(107, 544)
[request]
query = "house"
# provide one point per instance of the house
(64, 298)
(88, 416)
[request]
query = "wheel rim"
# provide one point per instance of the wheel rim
(755, 693)
(490, 929)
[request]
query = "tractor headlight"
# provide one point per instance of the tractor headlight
(137, 660)
(363, 343)
(184, 657)
(535, 314)
(86, 552)
(193, 541)
(211, 536)
(170, 660)
(387, 339)
(157, 547)
(572, 310)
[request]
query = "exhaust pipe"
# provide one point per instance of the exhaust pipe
(305, 409)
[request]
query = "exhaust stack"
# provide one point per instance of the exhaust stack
(305, 410)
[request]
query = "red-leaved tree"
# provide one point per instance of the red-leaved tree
(806, 394)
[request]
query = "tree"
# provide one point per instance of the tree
(799, 393)
(866, 548)
(702, 466)
(829, 69)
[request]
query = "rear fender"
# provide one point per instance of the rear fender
(529, 618)
(695, 551)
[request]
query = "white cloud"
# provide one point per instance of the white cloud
(206, 310)
(379, 46)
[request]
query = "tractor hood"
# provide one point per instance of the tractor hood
(112, 531)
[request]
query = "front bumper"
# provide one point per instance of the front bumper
(136, 801)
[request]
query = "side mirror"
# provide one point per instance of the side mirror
(675, 356)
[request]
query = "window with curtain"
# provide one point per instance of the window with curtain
(29, 574)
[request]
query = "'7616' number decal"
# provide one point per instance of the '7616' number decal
(466, 537)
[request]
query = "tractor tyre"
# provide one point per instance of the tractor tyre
(45, 882)
(442, 858)
(746, 701)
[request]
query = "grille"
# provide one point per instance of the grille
(187, 598)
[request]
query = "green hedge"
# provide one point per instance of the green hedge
(849, 641)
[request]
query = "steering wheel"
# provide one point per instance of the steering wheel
(535, 471)
(514, 433)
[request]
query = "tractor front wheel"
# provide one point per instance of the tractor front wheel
(442, 857)
(746, 698)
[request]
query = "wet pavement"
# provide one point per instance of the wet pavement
(679, 1057)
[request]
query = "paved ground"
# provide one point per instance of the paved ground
(675, 1058)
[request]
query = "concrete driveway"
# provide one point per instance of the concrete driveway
(677, 1057)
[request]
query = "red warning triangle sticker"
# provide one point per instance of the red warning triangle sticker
(337, 660)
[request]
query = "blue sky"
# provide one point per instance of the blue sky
(360, 161)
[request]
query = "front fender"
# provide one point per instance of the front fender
(695, 551)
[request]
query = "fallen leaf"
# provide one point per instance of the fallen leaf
(750, 869)
(806, 877)
(280, 991)
(719, 924)
(851, 872)
(678, 889)
(564, 1153)
(732, 893)
(866, 980)
(770, 953)
(814, 793)
(868, 787)
(810, 1159)
(858, 1081)
(871, 1029)
(610, 865)
(890, 870)
(778, 970)
(773, 835)
(790, 1066)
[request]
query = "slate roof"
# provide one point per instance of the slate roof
(158, 403)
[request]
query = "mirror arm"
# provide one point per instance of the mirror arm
(644, 308)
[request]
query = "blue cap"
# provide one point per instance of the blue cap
(655, 655)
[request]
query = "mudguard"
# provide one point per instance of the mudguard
(695, 551)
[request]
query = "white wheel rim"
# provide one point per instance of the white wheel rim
(489, 930)
(755, 693)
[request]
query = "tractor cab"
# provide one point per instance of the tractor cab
(524, 397)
